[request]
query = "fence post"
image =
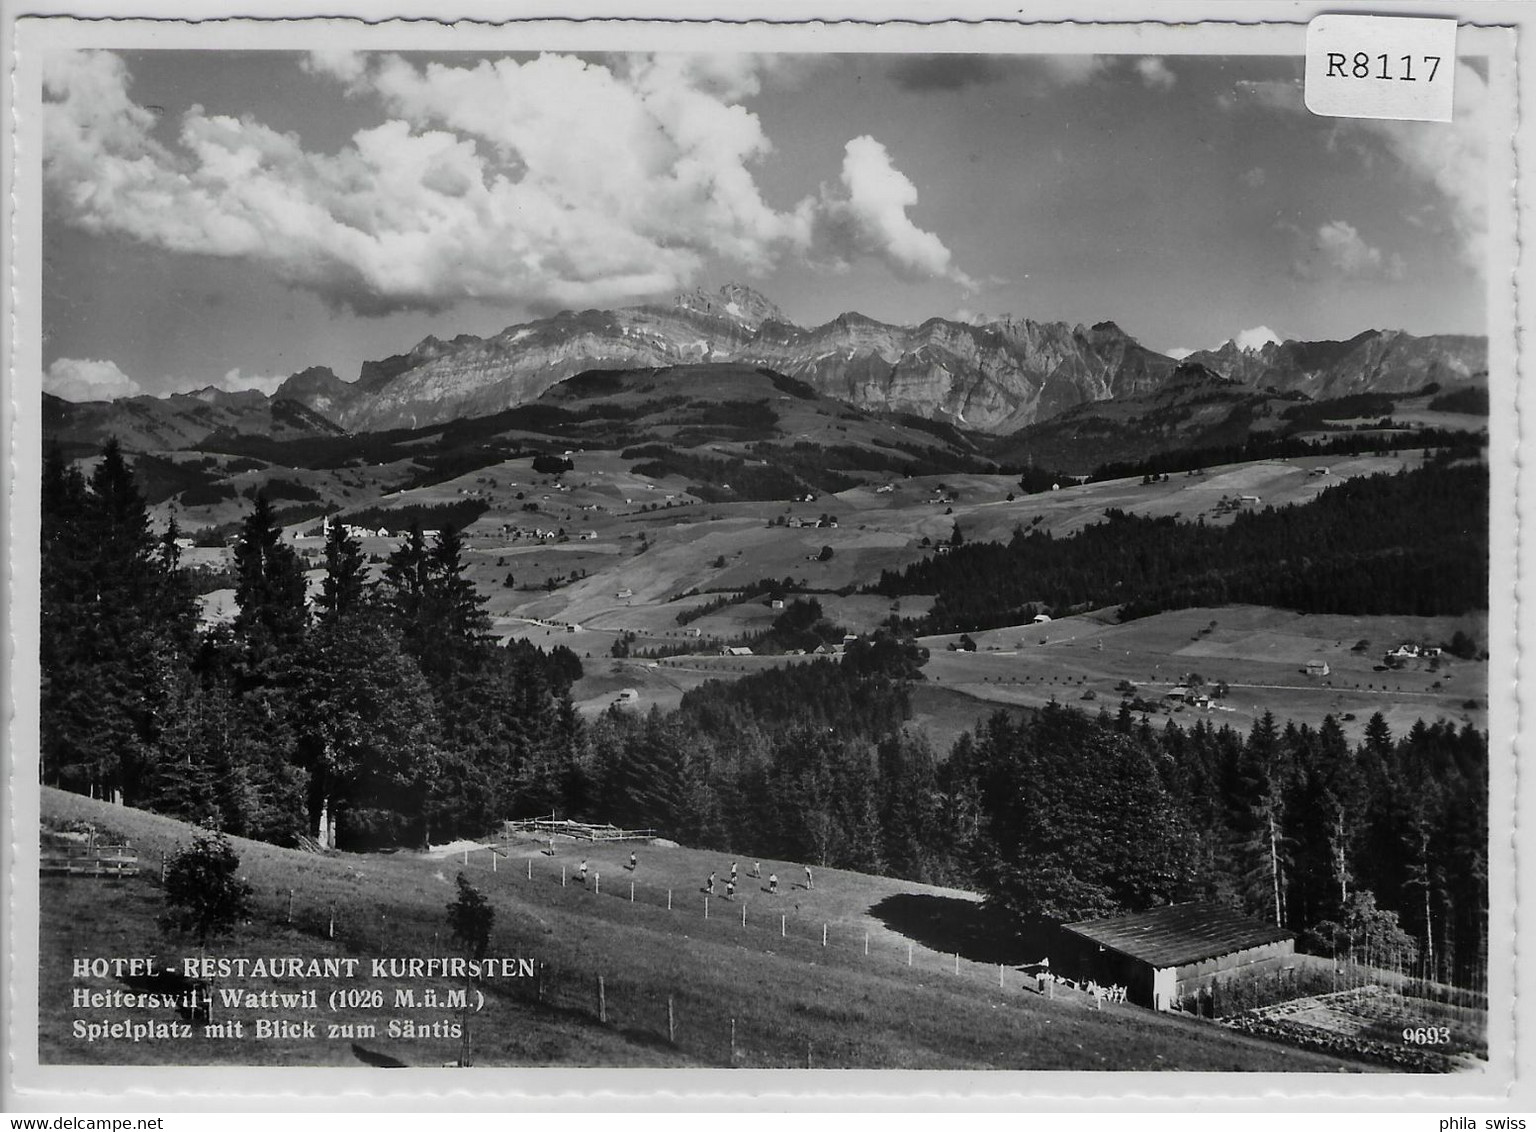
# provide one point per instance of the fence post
(957, 962)
(909, 954)
(597, 884)
(466, 856)
(706, 907)
(602, 1000)
(290, 905)
(823, 935)
(562, 876)
(866, 945)
(669, 900)
(631, 892)
(530, 868)
(493, 860)
(330, 931)
(733, 1041)
(671, 1022)
(783, 920)
(999, 974)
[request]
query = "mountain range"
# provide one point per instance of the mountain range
(997, 378)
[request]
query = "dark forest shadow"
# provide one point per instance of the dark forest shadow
(948, 924)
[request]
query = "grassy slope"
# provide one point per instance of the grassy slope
(1260, 652)
(788, 995)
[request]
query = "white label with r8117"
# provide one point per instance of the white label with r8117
(1381, 67)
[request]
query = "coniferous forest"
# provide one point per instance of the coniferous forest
(1414, 543)
(385, 704)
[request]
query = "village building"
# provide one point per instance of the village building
(735, 650)
(1317, 668)
(1169, 955)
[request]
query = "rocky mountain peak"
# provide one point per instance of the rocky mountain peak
(735, 301)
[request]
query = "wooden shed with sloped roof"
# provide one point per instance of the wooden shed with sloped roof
(1169, 954)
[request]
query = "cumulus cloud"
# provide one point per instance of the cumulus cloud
(1155, 73)
(973, 317)
(346, 66)
(1337, 249)
(1254, 338)
(1450, 156)
(868, 217)
(234, 381)
(1073, 70)
(86, 379)
(554, 181)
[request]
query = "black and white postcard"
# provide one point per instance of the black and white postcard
(981, 553)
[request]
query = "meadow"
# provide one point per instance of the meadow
(910, 976)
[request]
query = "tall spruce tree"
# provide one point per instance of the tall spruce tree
(346, 589)
(269, 588)
(117, 625)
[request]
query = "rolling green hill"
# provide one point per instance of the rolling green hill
(787, 997)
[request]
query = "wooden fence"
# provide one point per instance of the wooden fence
(583, 831)
(90, 860)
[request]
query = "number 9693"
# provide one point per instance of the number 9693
(1427, 1035)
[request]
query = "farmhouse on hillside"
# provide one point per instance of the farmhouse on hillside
(1171, 954)
(1317, 668)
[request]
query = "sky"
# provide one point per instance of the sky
(229, 218)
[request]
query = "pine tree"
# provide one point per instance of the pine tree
(345, 589)
(1262, 843)
(117, 623)
(269, 588)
